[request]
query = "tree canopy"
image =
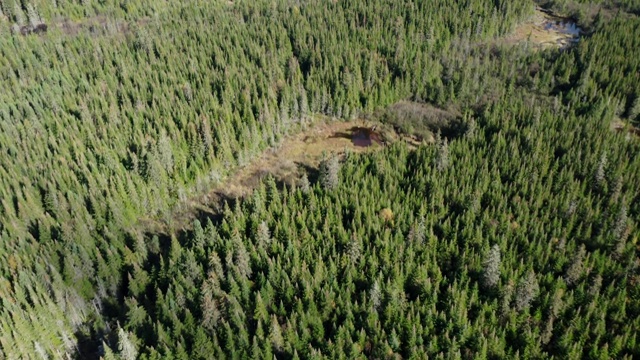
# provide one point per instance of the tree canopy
(513, 235)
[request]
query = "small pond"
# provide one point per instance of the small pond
(563, 26)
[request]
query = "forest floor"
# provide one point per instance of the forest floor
(296, 154)
(544, 31)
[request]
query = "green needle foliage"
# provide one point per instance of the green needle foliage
(515, 235)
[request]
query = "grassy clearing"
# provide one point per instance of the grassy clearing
(300, 153)
(545, 31)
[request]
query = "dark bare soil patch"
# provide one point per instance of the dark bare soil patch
(361, 136)
(621, 126)
(31, 29)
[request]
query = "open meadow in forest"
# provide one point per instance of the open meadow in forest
(546, 30)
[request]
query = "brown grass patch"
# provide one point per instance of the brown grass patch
(621, 126)
(288, 161)
(545, 31)
(297, 154)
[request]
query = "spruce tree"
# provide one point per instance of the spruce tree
(329, 172)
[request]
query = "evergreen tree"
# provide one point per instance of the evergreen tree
(329, 172)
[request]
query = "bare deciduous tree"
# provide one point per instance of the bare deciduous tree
(526, 291)
(491, 273)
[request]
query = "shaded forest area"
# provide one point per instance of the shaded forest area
(513, 234)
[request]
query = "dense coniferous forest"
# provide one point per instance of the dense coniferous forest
(512, 235)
